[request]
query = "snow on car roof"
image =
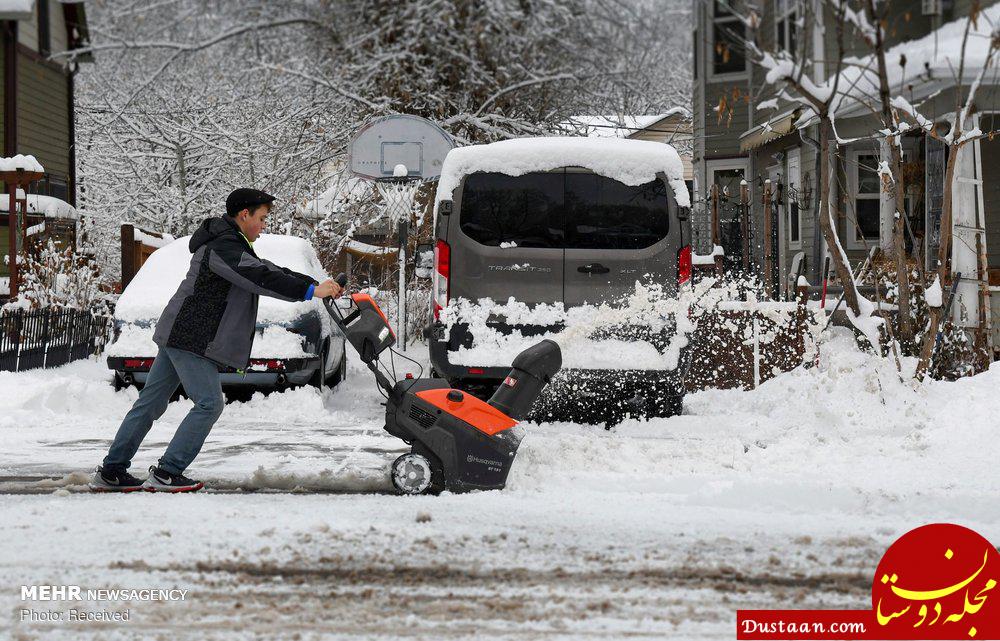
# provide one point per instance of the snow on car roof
(633, 162)
(161, 275)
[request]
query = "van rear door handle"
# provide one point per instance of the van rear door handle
(593, 268)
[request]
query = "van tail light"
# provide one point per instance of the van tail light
(442, 272)
(684, 264)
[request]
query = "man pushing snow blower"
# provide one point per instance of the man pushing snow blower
(208, 323)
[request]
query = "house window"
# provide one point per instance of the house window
(728, 181)
(55, 186)
(794, 193)
(786, 14)
(866, 199)
(728, 36)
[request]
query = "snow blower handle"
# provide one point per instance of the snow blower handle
(330, 303)
(365, 327)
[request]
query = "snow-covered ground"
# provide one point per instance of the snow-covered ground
(781, 497)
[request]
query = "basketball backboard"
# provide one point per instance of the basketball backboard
(382, 145)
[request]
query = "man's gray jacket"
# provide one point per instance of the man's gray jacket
(214, 312)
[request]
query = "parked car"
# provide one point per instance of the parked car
(553, 220)
(296, 343)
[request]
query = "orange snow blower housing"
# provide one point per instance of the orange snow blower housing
(458, 442)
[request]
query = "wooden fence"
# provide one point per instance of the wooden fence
(137, 246)
(30, 339)
(742, 344)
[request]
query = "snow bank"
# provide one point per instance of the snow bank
(845, 438)
(633, 162)
(161, 275)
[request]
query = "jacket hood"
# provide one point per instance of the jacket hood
(210, 229)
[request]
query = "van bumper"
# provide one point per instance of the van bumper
(585, 395)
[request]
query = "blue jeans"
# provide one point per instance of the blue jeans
(202, 384)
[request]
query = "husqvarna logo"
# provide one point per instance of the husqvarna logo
(475, 459)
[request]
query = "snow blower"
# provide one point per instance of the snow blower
(458, 442)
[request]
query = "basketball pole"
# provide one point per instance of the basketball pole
(402, 228)
(396, 150)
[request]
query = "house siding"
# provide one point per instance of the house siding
(43, 114)
(27, 30)
(717, 140)
(3, 96)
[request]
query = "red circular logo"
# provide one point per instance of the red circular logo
(938, 581)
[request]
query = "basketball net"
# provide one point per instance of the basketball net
(397, 197)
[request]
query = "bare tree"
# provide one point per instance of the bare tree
(190, 98)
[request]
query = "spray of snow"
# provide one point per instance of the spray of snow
(574, 329)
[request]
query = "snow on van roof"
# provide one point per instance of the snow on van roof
(633, 162)
(162, 273)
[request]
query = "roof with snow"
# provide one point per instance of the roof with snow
(932, 59)
(918, 67)
(20, 161)
(342, 191)
(17, 9)
(620, 126)
(48, 206)
(633, 162)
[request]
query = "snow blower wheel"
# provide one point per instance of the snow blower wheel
(411, 474)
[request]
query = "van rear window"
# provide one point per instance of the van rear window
(563, 210)
(527, 210)
(602, 213)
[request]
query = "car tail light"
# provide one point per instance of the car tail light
(684, 264)
(476, 370)
(269, 364)
(138, 363)
(442, 271)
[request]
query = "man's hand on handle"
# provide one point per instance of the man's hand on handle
(327, 289)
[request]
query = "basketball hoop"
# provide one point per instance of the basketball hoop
(398, 194)
(399, 153)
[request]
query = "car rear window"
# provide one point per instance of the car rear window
(563, 210)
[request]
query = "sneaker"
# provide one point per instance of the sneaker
(114, 480)
(162, 481)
